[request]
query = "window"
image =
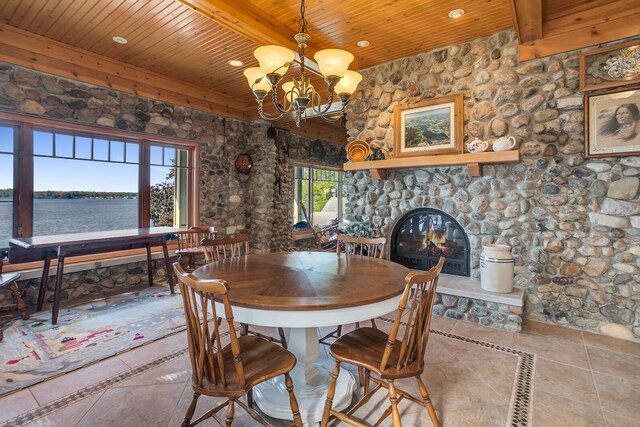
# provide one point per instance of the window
(318, 193)
(72, 180)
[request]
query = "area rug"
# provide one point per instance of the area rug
(35, 350)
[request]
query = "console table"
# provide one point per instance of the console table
(44, 248)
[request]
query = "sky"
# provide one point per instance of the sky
(80, 175)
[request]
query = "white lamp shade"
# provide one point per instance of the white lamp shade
(333, 62)
(348, 83)
(287, 87)
(273, 58)
(254, 73)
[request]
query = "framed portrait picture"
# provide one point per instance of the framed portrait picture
(612, 123)
(610, 66)
(432, 126)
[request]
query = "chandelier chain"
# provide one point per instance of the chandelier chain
(302, 22)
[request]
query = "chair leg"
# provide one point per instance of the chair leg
(283, 339)
(373, 324)
(230, 412)
(367, 374)
(190, 411)
(339, 331)
(244, 331)
(297, 419)
(393, 397)
(20, 305)
(427, 402)
(250, 398)
(330, 393)
(1, 333)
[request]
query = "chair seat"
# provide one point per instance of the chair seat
(261, 360)
(365, 347)
(8, 278)
(190, 251)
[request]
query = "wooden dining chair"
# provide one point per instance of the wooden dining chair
(10, 280)
(356, 246)
(229, 371)
(189, 243)
(390, 356)
(220, 249)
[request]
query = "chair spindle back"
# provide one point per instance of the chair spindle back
(192, 237)
(207, 362)
(219, 249)
(361, 246)
(421, 290)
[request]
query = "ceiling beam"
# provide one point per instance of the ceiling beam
(527, 18)
(245, 19)
(42, 54)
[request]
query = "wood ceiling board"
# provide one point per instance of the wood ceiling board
(609, 11)
(552, 9)
(527, 16)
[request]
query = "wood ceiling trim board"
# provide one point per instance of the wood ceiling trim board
(603, 32)
(606, 12)
(527, 17)
(96, 14)
(46, 48)
(554, 9)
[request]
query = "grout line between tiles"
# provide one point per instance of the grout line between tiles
(90, 408)
(595, 385)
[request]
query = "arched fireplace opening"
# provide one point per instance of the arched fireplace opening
(422, 236)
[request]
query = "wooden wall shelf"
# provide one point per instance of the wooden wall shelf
(474, 162)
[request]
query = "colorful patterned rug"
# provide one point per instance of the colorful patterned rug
(34, 350)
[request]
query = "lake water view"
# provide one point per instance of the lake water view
(60, 216)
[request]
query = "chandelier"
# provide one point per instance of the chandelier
(299, 95)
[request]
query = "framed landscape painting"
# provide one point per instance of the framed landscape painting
(612, 123)
(432, 126)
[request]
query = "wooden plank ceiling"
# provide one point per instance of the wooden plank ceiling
(190, 42)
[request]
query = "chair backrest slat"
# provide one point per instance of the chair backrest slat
(420, 289)
(361, 246)
(207, 361)
(192, 237)
(219, 249)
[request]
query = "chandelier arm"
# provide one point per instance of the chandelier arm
(267, 116)
(274, 100)
(319, 111)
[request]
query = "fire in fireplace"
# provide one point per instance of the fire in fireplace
(422, 236)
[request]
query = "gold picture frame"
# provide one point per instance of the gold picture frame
(432, 126)
(610, 66)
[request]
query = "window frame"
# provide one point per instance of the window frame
(310, 180)
(23, 172)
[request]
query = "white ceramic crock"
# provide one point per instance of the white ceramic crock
(496, 269)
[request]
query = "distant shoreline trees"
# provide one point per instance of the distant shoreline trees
(8, 193)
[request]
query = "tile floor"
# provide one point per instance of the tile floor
(580, 379)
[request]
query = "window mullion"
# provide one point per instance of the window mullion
(144, 188)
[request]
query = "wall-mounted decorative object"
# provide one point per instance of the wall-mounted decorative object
(612, 123)
(244, 163)
(610, 66)
(358, 150)
(432, 126)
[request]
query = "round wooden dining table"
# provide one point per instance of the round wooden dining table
(303, 291)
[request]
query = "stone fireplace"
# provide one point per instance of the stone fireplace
(422, 236)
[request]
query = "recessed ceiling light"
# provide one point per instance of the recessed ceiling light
(363, 43)
(235, 63)
(120, 40)
(456, 13)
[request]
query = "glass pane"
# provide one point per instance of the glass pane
(6, 199)
(117, 151)
(6, 139)
(156, 155)
(162, 195)
(169, 156)
(133, 153)
(42, 143)
(183, 158)
(64, 145)
(100, 149)
(302, 172)
(325, 202)
(344, 200)
(301, 197)
(83, 147)
(74, 196)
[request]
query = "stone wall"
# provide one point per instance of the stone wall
(232, 202)
(574, 224)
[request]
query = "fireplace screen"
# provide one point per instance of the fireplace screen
(422, 236)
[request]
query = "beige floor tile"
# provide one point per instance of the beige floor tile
(175, 371)
(614, 363)
(67, 416)
(566, 381)
(549, 330)
(498, 374)
(465, 351)
(379, 403)
(486, 416)
(550, 410)
(16, 403)
(617, 420)
(484, 333)
(134, 406)
(618, 395)
(61, 386)
(443, 324)
(151, 351)
(556, 349)
(609, 343)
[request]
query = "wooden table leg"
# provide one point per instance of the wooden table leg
(42, 293)
(58, 290)
(167, 265)
(149, 265)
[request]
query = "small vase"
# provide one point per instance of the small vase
(496, 269)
